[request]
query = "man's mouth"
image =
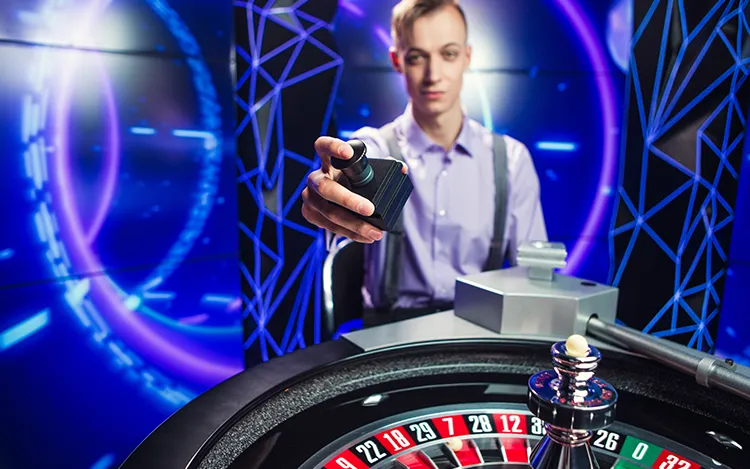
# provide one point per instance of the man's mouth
(432, 94)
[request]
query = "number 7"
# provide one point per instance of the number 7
(450, 424)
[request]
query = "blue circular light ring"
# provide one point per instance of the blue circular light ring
(210, 111)
(35, 110)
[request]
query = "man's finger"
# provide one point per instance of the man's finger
(333, 147)
(340, 217)
(338, 194)
(347, 220)
(317, 219)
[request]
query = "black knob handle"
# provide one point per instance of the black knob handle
(357, 168)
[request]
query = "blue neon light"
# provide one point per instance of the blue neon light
(152, 295)
(304, 281)
(142, 131)
(556, 146)
(23, 330)
(655, 121)
(6, 254)
(192, 133)
(217, 299)
(209, 138)
(133, 302)
(104, 462)
(349, 326)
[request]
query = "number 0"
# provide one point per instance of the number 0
(640, 451)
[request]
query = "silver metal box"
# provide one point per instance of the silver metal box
(520, 301)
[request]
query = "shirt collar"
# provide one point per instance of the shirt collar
(467, 142)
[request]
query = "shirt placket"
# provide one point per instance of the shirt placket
(440, 215)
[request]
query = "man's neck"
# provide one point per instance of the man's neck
(442, 129)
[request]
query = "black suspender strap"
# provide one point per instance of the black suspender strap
(496, 256)
(394, 240)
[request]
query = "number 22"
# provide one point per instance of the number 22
(365, 448)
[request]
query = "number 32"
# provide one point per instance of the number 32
(673, 462)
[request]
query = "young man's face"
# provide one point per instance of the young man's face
(433, 61)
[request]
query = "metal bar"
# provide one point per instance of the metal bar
(709, 371)
(329, 320)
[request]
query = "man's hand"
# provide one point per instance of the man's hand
(322, 187)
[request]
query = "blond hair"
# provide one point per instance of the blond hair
(407, 12)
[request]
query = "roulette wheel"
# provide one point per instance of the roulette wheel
(441, 391)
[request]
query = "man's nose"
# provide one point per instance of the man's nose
(434, 71)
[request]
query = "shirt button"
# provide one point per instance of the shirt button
(441, 213)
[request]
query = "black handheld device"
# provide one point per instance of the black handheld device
(378, 180)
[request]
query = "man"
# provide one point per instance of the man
(448, 221)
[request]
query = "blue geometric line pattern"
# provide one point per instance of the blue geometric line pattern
(285, 62)
(675, 203)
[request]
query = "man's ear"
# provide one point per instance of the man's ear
(395, 61)
(468, 55)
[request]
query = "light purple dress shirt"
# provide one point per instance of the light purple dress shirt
(449, 218)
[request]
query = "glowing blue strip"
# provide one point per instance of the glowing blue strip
(149, 295)
(122, 356)
(353, 325)
(192, 133)
(681, 330)
(556, 146)
(23, 330)
(142, 131)
(6, 254)
(217, 299)
(132, 302)
(28, 119)
(345, 134)
(104, 462)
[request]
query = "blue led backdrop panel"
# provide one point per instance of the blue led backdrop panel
(517, 85)
(688, 104)
(118, 279)
(286, 75)
(305, 67)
